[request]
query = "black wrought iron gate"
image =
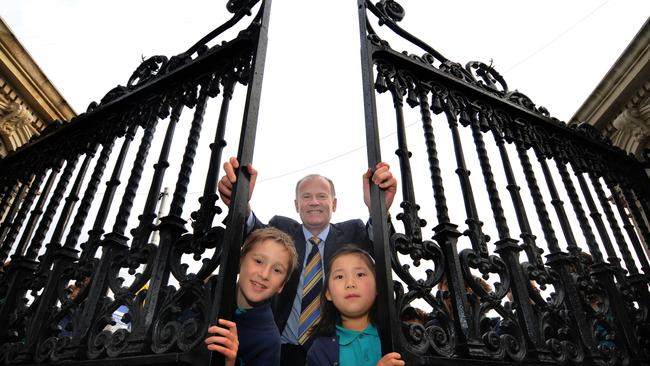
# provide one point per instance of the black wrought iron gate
(109, 296)
(500, 300)
(95, 294)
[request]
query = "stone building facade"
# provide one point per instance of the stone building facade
(28, 100)
(619, 106)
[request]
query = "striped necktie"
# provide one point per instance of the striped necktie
(312, 285)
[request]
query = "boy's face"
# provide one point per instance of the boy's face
(262, 272)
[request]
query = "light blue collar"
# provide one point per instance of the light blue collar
(322, 235)
(347, 336)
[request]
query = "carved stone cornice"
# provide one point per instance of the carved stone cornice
(619, 106)
(631, 130)
(28, 100)
(17, 124)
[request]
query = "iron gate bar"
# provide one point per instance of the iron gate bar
(629, 228)
(612, 258)
(89, 194)
(234, 235)
(37, 211)
(25, 205)
(387, 323)
(10, 192)
(9, 218)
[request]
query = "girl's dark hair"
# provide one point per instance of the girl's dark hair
(329, 315)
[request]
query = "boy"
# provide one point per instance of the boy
(268, 257)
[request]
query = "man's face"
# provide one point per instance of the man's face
(262, 273)
(315, 203)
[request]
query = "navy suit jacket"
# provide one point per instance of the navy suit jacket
(324, 352)
(347, 232)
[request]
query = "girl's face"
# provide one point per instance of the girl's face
(352, 286)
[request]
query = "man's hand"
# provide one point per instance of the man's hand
(392, 358)
(382, 177)
(228, 181)
(225, 340)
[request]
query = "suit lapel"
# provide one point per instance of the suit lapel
(301, 244)
(331, 243)
(286, 297)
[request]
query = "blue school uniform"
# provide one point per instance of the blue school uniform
(259, 338)
(347, 347)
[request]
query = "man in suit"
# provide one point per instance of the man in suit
(316, 239)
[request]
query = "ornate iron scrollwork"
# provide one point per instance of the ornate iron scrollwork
(548, 316)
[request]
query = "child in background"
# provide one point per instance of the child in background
(346, 332)
(268, 256)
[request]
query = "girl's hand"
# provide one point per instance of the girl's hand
(225, 340)
(392, 358)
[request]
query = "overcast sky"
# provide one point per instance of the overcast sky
(554, 51)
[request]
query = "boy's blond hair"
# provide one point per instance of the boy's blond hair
(278, 236)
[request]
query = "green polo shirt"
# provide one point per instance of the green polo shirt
(359, 348)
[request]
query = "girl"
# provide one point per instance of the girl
(346, 332)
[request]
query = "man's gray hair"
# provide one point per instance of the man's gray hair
(311, 176)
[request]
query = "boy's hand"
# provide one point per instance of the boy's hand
(392, 358)
(225, 340)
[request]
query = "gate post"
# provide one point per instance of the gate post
(388, 326)
(223, 303)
